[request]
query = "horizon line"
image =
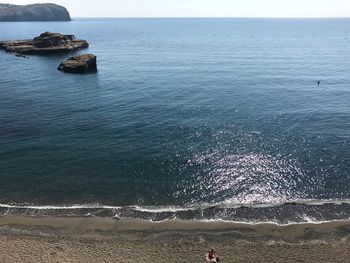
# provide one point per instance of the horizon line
(215, 17)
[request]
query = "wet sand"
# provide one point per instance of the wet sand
(89, 239)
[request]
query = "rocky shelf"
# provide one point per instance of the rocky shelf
(46, 43)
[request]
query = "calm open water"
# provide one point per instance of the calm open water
(186, 118)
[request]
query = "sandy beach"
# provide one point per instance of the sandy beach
(25, 239)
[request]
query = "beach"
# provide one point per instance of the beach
(92, 239)
(193, 134)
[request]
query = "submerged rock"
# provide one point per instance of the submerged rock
(79, 64)
(46, 43)
(19, 55)
(34, 12)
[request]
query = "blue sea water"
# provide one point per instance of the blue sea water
(186, 118)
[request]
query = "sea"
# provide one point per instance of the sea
(192, 119)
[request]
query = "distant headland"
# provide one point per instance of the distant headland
(34, 12)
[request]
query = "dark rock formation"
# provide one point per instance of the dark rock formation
(46, 43)
(79, 64)
(19, 55)
(36, 12)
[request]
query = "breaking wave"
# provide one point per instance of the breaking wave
(299, 211)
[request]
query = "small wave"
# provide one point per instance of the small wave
(298, 211)
(162, 209)
(309, 202)
(155, 209)
(159, 209)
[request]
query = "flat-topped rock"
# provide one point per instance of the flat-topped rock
(46, 43)
(79, 64)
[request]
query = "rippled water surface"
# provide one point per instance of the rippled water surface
(183, 113)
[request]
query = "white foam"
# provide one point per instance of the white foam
(174, 209)
(164, 209)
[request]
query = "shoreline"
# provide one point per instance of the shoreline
(107, 227)
(93, 239)
(293, 212)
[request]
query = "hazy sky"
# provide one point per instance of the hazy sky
(201, 8)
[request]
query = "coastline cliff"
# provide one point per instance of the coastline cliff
(34, 12)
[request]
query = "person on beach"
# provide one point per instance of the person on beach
(211, 256)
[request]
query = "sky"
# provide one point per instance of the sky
(200, 8)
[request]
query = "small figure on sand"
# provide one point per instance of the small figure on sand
(211, 256)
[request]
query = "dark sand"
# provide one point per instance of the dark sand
(24, 239)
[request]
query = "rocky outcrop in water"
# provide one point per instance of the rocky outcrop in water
(46, 43)
(79, 64)
(35, 12)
